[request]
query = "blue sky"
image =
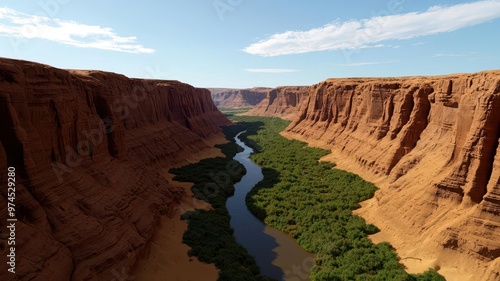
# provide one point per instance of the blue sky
(246, 43)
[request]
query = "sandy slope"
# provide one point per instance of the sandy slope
(168, 257)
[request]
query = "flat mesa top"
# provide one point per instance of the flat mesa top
(416, 78)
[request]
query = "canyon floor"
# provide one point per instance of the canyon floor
(93, 155)
(168, 256)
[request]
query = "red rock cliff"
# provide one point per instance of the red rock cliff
(432, 145)
(238, 98)
(90, 149)
(282, 102)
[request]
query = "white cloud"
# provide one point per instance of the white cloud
(271, 70)
(418, 44)
(449, 55)
(21, 25)
(364, 63)
(357, 34)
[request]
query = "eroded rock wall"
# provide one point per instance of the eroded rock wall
(432, 145)
(238, 98)
(91, 150)
(283, 102)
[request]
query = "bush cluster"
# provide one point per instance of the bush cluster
(209, 233)
(313, 202)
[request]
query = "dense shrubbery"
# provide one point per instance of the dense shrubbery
(209, 233)
(313, 203)
(229, 112)
(299, 195)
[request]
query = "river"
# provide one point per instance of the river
(277, 254)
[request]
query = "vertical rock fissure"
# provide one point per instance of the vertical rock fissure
(488, 153)
(386, 118)
(416, 127)
(348, 111)
(493, 156)
(104, 113)
(53, 107)
(405, 112)
(449, 91)
(15, 153)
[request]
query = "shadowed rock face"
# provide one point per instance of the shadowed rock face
(281, 102)
(90, 150)
(432, 144)
(238, 98)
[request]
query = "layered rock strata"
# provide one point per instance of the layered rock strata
(90, 150)
(283, 102)
(432, 145)
(238, 98)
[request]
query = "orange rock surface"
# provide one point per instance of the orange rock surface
(432, 145)
(238, 98)
(91, 150)
(281, 102)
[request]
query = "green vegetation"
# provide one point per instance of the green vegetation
(305, 198)
(313, 203)
(229, 112)
(209, 233)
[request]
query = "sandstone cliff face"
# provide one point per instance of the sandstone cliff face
(90, 150)
(432, 145)
(282, 102)
(238, 98)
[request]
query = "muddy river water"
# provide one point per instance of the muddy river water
(276, 253)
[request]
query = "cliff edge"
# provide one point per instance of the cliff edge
(91, 150)
(238, 98)
(432, 145)
(282, 102)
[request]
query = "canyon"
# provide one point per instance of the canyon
(281, 102)
(91, 151)
(431, 144)
(238, 98)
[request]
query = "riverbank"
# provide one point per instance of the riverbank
(167, 257)
(300, 196)
(209, 232)
(276, 253)
(314, 204)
